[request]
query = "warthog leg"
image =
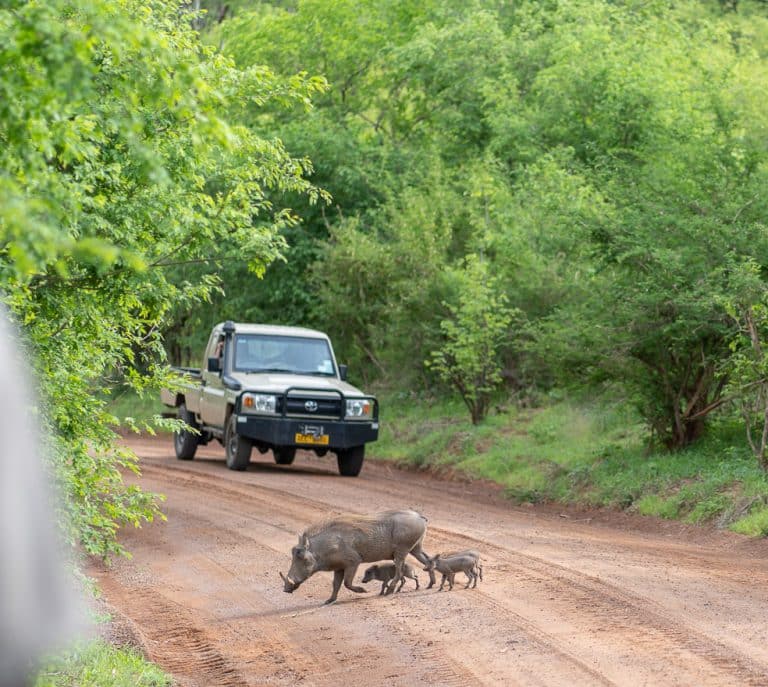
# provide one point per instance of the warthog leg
(349, 576)
(470, 578)
(418, 553)
(398, 576)
(338, 576)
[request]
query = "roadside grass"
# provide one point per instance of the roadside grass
(98, 664)
(583, 453)
(574, 452)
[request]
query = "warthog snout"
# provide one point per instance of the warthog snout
(288, 586)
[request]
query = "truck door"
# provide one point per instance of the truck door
(212, 403)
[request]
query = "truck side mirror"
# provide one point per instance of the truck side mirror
(343, 372)
(214, 364)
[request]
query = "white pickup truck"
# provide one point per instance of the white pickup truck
(276, 388)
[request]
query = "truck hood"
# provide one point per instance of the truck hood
(277, 383)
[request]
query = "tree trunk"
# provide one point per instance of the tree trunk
(690, 402)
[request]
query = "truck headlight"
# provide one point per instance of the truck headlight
(360, 408)
(259, 403)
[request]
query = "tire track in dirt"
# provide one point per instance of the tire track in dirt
(541, 610)
(617, 609)
(298, 662)
(612, 609)
(547, 646)
(174, 640)
(442, 669)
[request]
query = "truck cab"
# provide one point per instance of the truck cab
(275, 388)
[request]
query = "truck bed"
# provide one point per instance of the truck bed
(193, 377)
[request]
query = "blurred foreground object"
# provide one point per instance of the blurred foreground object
(39, 607)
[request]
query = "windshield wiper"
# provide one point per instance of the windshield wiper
(257, 370)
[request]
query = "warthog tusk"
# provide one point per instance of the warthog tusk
(290, 585)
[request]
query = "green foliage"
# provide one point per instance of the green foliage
(97, 664)
(753, 525)
(747, 366)
(399, 214)
(589, 454)
(474, 332)
(125, 153)
(605, 158)
(656, 505)
(679, 190)
(388, 273)
(135, 410)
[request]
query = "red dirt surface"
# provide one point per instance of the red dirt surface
(569, 598)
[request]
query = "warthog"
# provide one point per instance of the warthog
(450, 565)
(384, 572)
(343, 543)
(472, 553)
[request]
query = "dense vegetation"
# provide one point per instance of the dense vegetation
(99, 664)
(602, 161)
(504, 200)
(507, 204)
(586, 454)
(125, 152)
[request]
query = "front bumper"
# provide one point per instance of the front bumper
(282, 431)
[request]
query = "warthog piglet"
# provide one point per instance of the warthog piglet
(472, 553)
(448, 566)
(384, 572)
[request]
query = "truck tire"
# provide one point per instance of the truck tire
(350, 461)
(237, 448)
(185, 442)
(284, 455)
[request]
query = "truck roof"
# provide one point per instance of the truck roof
(275, 329)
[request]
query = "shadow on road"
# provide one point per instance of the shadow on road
(263, 467)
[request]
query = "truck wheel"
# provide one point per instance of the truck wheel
(284, 455)
(236, 448)
(184, 442)
(350, 461)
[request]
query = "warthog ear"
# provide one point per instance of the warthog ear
(304, 541)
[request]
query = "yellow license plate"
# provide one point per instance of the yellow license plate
(320, 439)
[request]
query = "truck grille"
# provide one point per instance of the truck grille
(309, 405)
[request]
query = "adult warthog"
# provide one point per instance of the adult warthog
(343, 543)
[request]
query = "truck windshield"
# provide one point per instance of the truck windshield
(290, 354)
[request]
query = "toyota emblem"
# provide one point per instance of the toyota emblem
(310, 406)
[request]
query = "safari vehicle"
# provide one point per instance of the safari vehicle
(277, 389)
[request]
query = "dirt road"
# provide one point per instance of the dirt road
(567, 599)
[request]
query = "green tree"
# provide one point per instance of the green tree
(123, 155)
(605, 158)
(479, 321)
(659, 112)
(747, 368)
